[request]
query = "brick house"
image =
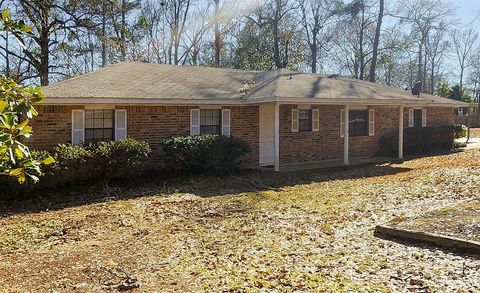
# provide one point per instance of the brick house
(287, 117)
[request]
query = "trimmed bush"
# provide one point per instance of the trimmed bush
(418, 140)
(217, 154)
(95, 163)
(460, 130)
(118, 158)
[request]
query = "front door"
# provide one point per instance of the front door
(267, 130)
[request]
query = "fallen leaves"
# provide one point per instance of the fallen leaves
(302, 231)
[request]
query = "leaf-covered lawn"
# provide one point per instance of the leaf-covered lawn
(303, 231)
(460, 221)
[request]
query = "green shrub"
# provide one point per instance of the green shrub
(95, 163)
(211, 153)
(118, 158)
(418, 140)
(460, 130)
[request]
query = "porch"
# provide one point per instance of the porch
(326, 164)
(326, 139)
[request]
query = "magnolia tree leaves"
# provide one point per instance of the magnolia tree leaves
(16, 111)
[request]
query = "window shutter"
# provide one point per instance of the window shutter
(78, 127)
(424, 117)
(120, 124)
(294, 120)
(342, 123)
(226, 122)
(371, 122)
(315, 120)
(194, 122)
(410, 118)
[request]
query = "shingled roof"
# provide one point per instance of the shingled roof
(134, 82)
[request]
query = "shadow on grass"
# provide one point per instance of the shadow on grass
(156, 183)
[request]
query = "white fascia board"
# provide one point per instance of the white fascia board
(121, 101)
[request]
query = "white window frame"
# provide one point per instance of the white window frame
(226, 127)
(411, 118)
(79, 130)
(315, 120)
(194, 128)
(118, 129)
(295, 114)
(371, 122)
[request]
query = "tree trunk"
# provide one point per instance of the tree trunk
(420, 57)
(218, 44)
(276, 45)
(361, 55)
(104, 35)
(373, 65)
(123, 29)
(44, 59)
(462, 68)
(314, 56)
(432, 78)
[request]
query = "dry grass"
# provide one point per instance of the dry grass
(475, 132)
(459, 221)
(304, 231)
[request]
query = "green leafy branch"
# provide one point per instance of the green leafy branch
(16, 111)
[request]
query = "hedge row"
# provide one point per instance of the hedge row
(95, 163)
(101, 162)
(419, 140)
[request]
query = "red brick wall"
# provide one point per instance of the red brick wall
(52, 126)
(155, 123)
(440, 116)
(245, 125)
(386, 121)
(150, 123)
(327, 144)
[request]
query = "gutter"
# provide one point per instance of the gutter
(238, 102)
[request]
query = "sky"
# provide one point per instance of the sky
(468, 11)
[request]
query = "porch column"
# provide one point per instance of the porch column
(400, 133)
(345, 136)
(276, 137)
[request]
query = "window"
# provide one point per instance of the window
(358, 122)
(304, 120)
(98, 125)
(210, 121)
(417, 118)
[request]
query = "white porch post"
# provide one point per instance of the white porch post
(276, 137)
(345, 136)
(400, 133)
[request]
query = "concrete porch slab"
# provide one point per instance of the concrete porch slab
(330, 164)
